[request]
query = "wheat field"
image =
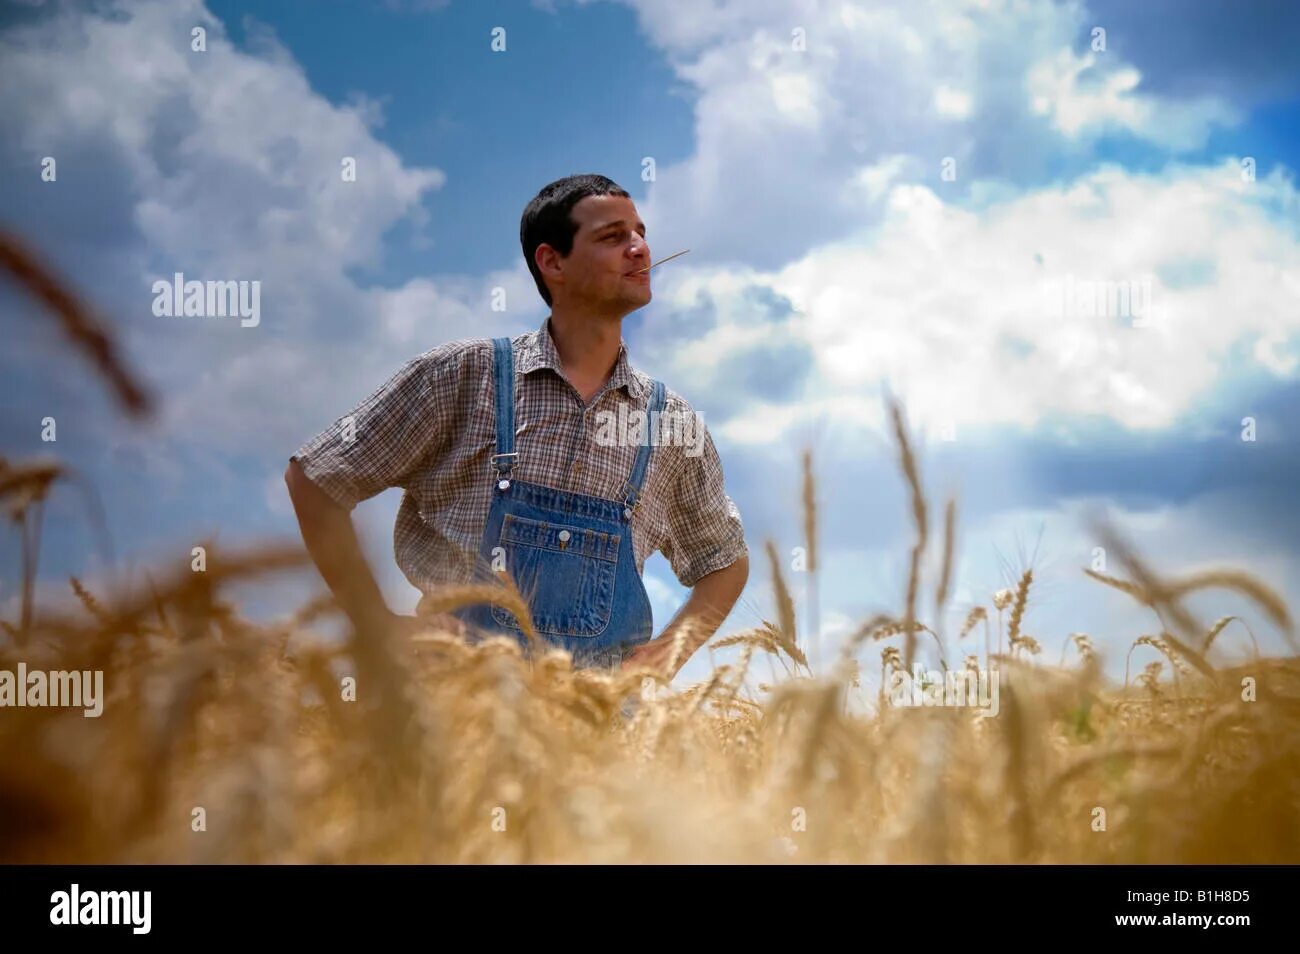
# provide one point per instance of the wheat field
(223, 739)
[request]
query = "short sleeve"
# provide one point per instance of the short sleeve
(704, 527)
(380, 442)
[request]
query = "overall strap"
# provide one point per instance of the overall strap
(654, 408)
(503, 367)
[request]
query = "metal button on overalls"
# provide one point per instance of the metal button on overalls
(570, 554)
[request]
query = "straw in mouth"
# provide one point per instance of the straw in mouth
(661, 261)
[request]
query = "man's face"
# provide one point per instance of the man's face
(607, 249)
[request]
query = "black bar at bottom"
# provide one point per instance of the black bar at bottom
(939, 904)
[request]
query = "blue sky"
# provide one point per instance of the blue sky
(831, 259)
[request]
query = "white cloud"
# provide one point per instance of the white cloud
(233, 168)
(1083, 100)
(952, 103)
(948, 306)
(783, 135)
(201, 130)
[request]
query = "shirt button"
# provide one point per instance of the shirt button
(577, 466)
(564, 534)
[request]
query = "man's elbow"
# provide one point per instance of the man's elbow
(293, 477)
(735, 574)
(303, 491)
(741, 569)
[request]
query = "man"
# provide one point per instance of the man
(506, 457)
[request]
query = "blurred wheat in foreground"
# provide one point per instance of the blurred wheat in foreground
(458, 753)
(226, 741)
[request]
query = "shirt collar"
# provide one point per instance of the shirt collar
(541, 353)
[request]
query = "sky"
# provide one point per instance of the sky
(924, 200)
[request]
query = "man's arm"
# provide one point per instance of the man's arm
(331, 540)
(379, 444)
(710, 601)
(705, 545)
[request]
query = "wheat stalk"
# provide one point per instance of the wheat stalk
(784, 604)
(810, 536)
(949, 532)
(1019, 601)
(1219, 625)
(908, 464)
(85, 331)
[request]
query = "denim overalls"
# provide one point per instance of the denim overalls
(570, 554)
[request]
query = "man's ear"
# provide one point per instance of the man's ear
(547, 260)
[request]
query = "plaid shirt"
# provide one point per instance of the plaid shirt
(431, 430)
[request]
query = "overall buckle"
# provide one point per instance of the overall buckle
(503, 472)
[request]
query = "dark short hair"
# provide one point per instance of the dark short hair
(546, 218)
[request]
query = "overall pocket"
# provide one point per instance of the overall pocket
(565, 573)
